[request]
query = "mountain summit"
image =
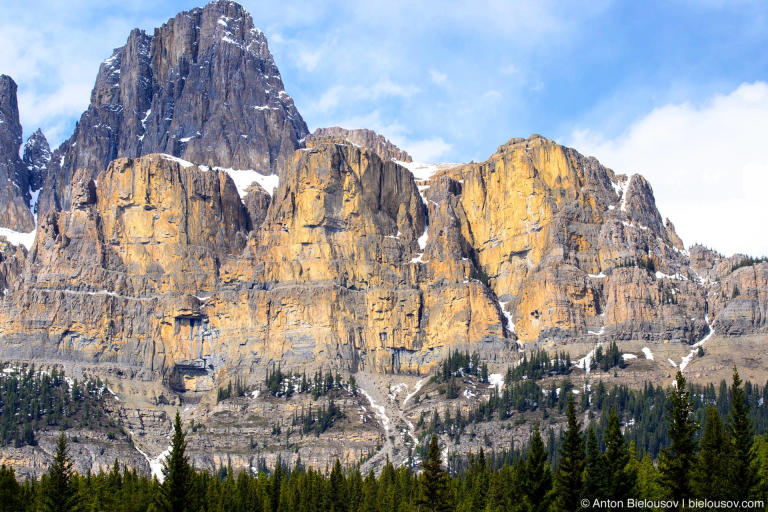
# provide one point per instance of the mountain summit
(203, 87)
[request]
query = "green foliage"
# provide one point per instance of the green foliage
(317, 420)
(459, 364)
(676, 461)
(714, 461)
(33, 400)
(282, 384)
(239, 389)
(175, 491)
(748, 261)
(519, 479)
(646, 262)
(59, 488)
(10, 491)
(540, 365)
(433, 493)
(608, 359)
(569, 476)
(743, 471)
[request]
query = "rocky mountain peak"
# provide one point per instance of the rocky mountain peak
(37, 156)
(203, 87)
(367, 139)
(14, 180)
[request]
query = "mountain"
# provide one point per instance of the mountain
(193, 240)
(367, 139)
(203, 87)
(14, 178)
(37, 158)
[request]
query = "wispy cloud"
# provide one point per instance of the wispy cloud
(437, 77)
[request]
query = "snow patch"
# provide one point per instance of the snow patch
(627, 357)
(423, 238)
(422, 171)
(379, 410)
(184, 163)
(19, 238)
(676, 276)
(695, 347)
(416, 389)
(496, 380)
(244, 178)
(507, 315)
(648, 353)
(585, 362)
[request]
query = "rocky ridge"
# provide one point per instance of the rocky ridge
(367, 139)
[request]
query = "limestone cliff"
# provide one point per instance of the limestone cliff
(571, 248)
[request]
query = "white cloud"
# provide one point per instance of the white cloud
(430, 150)
(437, 77)
(707, 164)
(346, 94)
(427, 150)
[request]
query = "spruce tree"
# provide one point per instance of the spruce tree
(620, 477)
(537, 475)
(434, 493)
(59, 491)
(595, 480)
(744, 475)
(677, 461)
(569, 483)
(10, 492)
(711, 474)
(177, 473)
(337, 494)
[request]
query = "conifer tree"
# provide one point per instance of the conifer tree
(620, 478)
(59, 492)
(677, 461)
(744, 476)
(10, 492)
(338, 497)
(711, 474)
(433, 482)
(177, 473)
(537, 475)
(569, 483)
(595, 480)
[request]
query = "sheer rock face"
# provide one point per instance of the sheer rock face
(367, 139)
(14, 178)
(147, 269)
(203, 87)
(160, 265)
(558, 238)
(111, 278)
(737, 292)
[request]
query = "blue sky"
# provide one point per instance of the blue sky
(675, 90)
